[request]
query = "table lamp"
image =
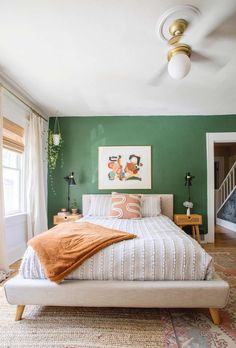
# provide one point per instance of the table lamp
(71, 182)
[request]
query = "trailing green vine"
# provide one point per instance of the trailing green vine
(53, 156)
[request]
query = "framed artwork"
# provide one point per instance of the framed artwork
(124, 167)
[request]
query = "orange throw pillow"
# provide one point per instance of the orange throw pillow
(126, 206)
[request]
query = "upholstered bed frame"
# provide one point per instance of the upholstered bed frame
(212, 294)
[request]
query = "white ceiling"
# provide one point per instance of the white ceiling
(98, 57)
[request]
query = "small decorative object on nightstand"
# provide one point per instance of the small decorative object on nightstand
(58, 219)
(193, 220)
(74, 207)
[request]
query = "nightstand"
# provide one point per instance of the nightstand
(193, 220)
(72, 217)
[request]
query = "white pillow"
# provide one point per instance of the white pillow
(100, 205)
(151, 206)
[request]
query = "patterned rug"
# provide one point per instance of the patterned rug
(195, 329)
(120, 327)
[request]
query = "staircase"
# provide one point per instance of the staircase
(226, 189)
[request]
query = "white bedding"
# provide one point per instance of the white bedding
(161, 251)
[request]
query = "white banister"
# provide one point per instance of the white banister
(226, 188)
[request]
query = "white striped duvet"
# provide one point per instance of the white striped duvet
(161, 251)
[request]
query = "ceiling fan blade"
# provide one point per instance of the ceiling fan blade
(218, 63)
(158, 76)
(213, 14)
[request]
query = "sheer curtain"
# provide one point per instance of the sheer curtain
(35, 185)
(3, 253)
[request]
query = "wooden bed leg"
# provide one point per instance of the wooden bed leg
(215, 315)
(197, 232)
(19, 312)
(193, 232)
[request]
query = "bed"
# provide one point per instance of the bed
(115, 277)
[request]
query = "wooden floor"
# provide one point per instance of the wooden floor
(13, 271)
(225, 240)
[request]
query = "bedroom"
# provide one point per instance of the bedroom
(97, 74)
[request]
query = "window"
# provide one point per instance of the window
(13, 136)
(12, 181)
(13, 148)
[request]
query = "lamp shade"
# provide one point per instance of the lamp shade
(179, 66)
(70, 179)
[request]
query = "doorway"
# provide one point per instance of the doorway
(211, 140)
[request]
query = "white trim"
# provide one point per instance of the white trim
(227, 224)
(211, 139)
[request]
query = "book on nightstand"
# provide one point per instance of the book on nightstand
(63, 213)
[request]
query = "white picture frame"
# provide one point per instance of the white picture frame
(124, 167)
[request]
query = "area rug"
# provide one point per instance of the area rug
(121, 327)
(85, 327)
(194, 328)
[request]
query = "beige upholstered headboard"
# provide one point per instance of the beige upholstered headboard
(166, 203)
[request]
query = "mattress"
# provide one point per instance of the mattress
(161, 251)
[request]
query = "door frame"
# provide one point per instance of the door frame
(211, 139)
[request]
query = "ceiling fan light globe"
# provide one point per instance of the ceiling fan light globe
(179, 66)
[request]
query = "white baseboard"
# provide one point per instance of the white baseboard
(229, 225)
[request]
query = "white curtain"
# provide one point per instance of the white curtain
(35, 185)
(3, 253)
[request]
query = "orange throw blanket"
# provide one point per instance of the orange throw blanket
(66, 246)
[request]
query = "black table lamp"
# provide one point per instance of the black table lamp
(188, 182)
(71, 182)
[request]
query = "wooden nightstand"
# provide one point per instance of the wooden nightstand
(193, 220)
(59, 219)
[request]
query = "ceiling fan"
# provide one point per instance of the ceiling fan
(179, 55)
(184, 29)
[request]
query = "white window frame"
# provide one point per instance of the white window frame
(20, 170)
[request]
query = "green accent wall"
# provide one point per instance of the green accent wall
(178, 145)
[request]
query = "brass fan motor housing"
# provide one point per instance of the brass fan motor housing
(177, 29)
(179, 48)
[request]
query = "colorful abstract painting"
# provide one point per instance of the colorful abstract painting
(124, 167)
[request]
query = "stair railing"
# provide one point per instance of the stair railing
(226, 188)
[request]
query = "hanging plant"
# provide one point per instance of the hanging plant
(54, 150)
(56, 133)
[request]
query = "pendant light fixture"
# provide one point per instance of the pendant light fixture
(179, 61)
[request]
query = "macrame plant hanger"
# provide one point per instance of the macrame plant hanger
(56, 132)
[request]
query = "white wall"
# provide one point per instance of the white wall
(16, 236)
(14, 110)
